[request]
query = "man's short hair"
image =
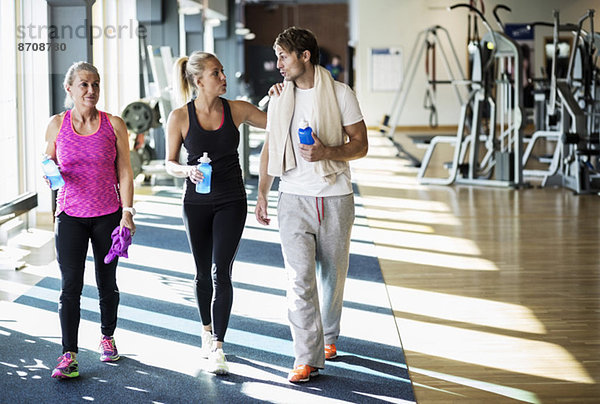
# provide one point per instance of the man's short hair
(298, 40)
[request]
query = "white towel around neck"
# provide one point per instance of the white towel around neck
(328, 121)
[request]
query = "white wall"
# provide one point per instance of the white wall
(396, 23)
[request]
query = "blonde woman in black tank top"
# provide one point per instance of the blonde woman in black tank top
(214, 222)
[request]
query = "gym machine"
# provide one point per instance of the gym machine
(572, 114)
(147, 152)
(426, 44)
(499, 140)
(139, 117)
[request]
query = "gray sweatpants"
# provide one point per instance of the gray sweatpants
(315, 241)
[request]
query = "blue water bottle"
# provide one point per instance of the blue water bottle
(305, 133)
(205, 168)
(51, 171)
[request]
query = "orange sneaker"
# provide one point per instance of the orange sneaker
(330, 351)
(302, 373)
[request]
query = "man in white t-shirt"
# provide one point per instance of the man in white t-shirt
(316, 202)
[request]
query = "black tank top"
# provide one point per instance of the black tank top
(221, 145)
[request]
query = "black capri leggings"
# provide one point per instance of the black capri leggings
(214, 232)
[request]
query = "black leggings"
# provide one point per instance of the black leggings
(72, 236)
(214, 233)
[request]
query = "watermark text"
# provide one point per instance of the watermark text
(82, 31)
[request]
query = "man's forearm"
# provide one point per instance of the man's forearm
(346, 152)
(356, 147)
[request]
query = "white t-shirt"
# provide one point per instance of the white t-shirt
(303, 180)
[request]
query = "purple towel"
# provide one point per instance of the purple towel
(121, 240)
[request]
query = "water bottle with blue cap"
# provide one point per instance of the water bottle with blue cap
(52, 173)
(305, 133)
(203, 187)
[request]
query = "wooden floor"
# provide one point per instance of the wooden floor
(495, 291)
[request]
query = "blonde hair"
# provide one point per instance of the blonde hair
(70, 77)
(185, 70)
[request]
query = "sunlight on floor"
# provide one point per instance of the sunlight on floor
(430, 242)
(275, 394)
(13, 289)
(451, 327)
(510, 392)
(142, 347)
(254, 233)
(380, 202)
(388, 225)
(159, 258)
(514, 354)
(413, 216)
(469, 310)
(407, 183)
(434, 259)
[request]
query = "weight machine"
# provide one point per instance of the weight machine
(573, 114)
(426, 44)
(487, 153)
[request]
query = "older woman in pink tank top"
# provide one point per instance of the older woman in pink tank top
(91, 149)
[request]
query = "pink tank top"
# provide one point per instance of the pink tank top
(88, 166)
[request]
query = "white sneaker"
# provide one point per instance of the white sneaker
(207, 344)
(217, 363)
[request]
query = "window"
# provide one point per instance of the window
(9, 137)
